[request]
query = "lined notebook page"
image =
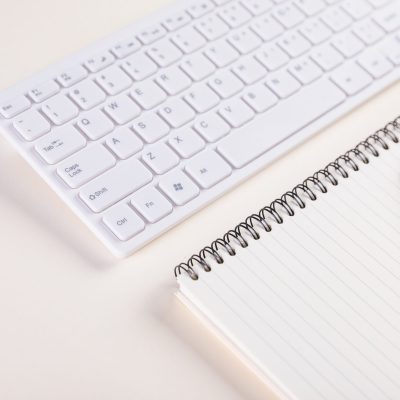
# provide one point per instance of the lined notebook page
(315, 304)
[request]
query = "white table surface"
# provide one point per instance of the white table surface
(75, 323)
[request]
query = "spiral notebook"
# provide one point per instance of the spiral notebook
(307, 291)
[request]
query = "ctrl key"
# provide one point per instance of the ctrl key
(123, 222)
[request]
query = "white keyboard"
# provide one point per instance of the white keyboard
(147, 126)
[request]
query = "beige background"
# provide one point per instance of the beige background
(77, 324)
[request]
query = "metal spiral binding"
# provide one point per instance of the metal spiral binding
(291, 199)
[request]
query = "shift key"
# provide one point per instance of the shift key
(114, 185)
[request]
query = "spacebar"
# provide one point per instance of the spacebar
(282, 121)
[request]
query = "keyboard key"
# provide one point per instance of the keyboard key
(211, 127)
(151, 34)
(86, 165)
(327, 57)
(43, 91)
(348, 44)
(249, 70)
(71, 76)
(234, 14)
(375, 63)
(60, 144)
(226, 84)
(173, 80)
(115, 184)
(272, 57)
(267, 27)
(31, 125)
(212, 27)
(150, 127)
(310, 7)
(244, 41)
(121, 109)
(351, 78)
(391, 49)
(294, 44)
(208, 168)
(188, 40)
(259, 98)
(164, 53)
(11, 108)
(178, 187)
(336, 19)
(305, 70)
(368, 31)
(388, 18)
(177, 113)
(199, 8)
(282, 83)
(126, 47)
(147, 94)
(160, 158)
(198, 67)
(99, 61)
(257, 7)
(139, 66)
(87, 94)
(151, 204)
(357, 9)
(123, 222)
(315, 31)
(95, 124)
(288, 15)
(236, 112)
(186, 142)
(59, 109)
(113, 80)
(251, 141)
(177, 20)
(202, 98)
(124, 143)
(221, 53)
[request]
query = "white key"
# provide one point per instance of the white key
(310, 7)
(336, 19)
(391, 48)
(198, 67)
(113, 80)
(244, 40)
(378, 3)
(87, 94)
(60, 144)
(139, 66)
(186, 142)
(176, 21)
(60, 109)
(257, 7)
(151, 34)
(348, 44)
(12, 107)
(288, 15)
(211, 127)
(71, 76)
(375, 63)
(126, 47)
(225, 84)
(86, 165)
(199, 8)
(202, 98)
(259, 98)
(148, 94)
(99, 61)
(124, 143)
(173, 80)
(164, 53)
(114, 185)
(208, 168)
(351, 78)
(315, 31)
(357, 9)
(31, 125)
(95, 124)
(177, 113)
(151, 204)
(221, 53)
(44, 91)
(249, 70)
(234, 14)
(251, 141)
(150, 127)
(267, 27)
(236, 112)
(121, 109)
(272, 57)
(327, 57)
(305, 70)
(282, 83)
(368, 31)
(212, 27)
(188, 40)
(178, 187)
(389, 17)
(294, 44)
(123, 222)
(160, 158)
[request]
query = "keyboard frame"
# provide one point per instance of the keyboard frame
(93, 221)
